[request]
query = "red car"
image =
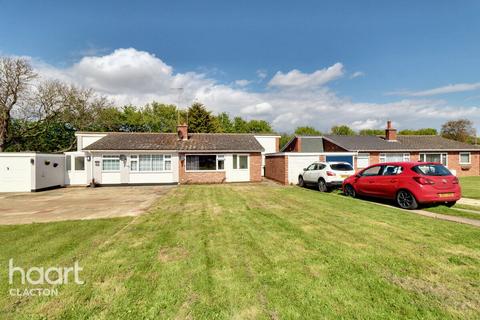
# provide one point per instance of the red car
(408, 183)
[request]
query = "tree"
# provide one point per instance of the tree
(419, 132)
(224, 123)
(460, 130)
(342, 130)
(259, 126)
(161, 117)
(307, 131)
(16, 75)
(200, 119)
(372, 132)
(240, 125)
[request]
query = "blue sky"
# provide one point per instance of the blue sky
(415, 56)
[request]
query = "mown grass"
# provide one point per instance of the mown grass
(470, 187)
(252, 252)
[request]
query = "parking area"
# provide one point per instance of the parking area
(78, 203)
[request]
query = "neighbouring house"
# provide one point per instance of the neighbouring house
(361, 151)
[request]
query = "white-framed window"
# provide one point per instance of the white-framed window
(110, 162)
(363, 160)
(80, 163)
(434, 157)
(133, 162)
(220, 162)
(394, 157)
(167, 162)
(205, 162)
(150, 162)
(464, 158)
(240, 161)
(68, 162)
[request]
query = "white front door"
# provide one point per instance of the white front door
(76, 167)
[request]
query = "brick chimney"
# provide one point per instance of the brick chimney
(182, 131)
(390, 133)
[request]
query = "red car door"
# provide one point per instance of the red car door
(387, 182)
(366, 183)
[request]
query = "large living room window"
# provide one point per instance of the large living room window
(151, 162)
(394, 157)
(205, 162)
(434, 157)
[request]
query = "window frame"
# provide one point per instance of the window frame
(68, 162)
(236, 166)
(402, 169)
(460, 158)
(205, 154)
(110, 157)
(441, 156)
(165, 158)
(75, 164)
(382, 157)
(380, 171)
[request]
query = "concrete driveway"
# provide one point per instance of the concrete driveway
(78, 203)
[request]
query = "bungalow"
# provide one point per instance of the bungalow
(169, 158)
(361, 151)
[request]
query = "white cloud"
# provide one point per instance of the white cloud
(451, 88)
(367, 124)
(357, 74)
(257, 109)
(242, 83)
(296, 78)
(130, 76)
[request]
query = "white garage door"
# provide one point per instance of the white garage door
(296, 165)
(15, 174)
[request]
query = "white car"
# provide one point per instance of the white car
(325, 175)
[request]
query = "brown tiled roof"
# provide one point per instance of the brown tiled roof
(403, 143)
(169, 141)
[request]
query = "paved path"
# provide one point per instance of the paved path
(469, 202)
(472, 222)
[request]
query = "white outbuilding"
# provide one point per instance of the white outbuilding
(26, 172)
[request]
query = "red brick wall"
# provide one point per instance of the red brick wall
(202, 177)
(464, 170)
(276, 168)
(255, 167)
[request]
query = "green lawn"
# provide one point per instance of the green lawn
(252, 252)
(470, 187)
